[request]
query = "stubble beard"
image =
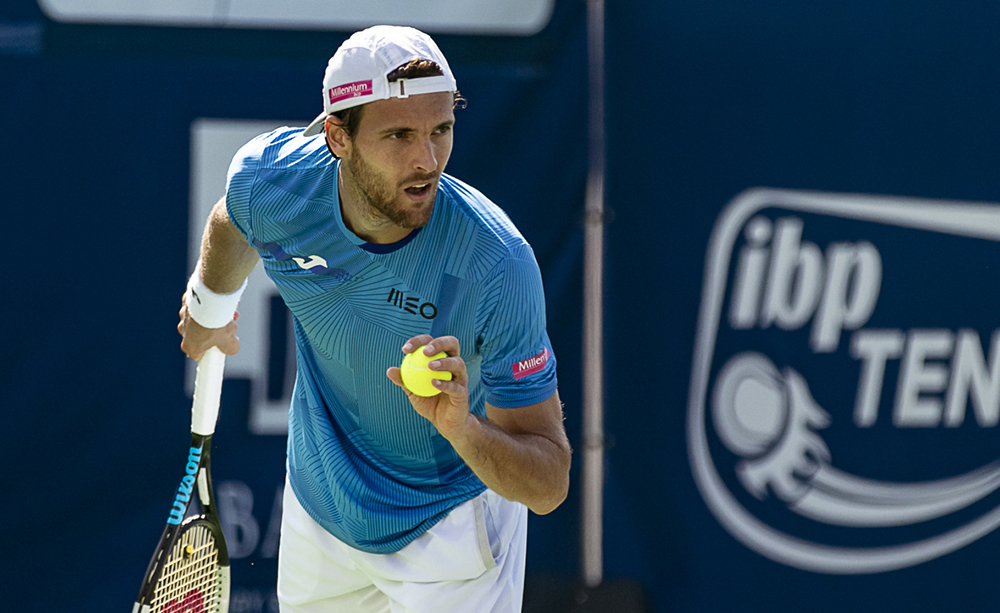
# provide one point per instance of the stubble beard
(383, 198)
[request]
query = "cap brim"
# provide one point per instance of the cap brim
(316, 126)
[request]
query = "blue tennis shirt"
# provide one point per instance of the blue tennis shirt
(361, 461)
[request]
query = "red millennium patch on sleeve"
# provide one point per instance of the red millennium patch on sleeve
(530, 366)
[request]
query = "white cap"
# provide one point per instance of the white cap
(357, 72)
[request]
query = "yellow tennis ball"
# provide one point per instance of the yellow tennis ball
(417, 377)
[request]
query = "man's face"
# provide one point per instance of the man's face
(397, 155)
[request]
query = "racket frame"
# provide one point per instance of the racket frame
(196, 484)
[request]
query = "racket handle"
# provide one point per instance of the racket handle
(207, 392)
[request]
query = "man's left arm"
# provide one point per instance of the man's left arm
(521, 453)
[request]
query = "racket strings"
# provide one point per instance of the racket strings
(190, 581)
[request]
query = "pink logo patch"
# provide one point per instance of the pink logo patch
(349, 90)
(531, 365)
(192, 603)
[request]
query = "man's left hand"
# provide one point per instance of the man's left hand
(449, 410)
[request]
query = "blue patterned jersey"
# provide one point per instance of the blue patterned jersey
(362, 462)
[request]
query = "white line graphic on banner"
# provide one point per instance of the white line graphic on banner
(213, 144)
(768, 426)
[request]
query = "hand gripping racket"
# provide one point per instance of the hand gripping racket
(189, 572)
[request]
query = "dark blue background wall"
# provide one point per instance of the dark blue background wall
(705, 100)
(96, 124)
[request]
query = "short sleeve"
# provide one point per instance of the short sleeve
(519, 367)
(239, 185)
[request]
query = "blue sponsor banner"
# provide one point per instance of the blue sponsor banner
(801, 387)
(840, 338)
(93, 378)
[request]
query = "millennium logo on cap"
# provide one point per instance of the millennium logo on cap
(845, 391)
(350, 90)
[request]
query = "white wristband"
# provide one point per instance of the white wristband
(209, 309)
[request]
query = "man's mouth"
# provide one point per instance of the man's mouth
(418, 190)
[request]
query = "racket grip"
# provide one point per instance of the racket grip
(207, 392)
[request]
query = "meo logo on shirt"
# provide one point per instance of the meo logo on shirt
(530, 366)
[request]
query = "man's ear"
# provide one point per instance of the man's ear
(337, 138)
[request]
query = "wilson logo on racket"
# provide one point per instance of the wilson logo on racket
(186, 487)
(193, 602)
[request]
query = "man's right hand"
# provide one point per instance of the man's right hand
(197, 339)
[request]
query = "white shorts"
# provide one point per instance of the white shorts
(472, 561)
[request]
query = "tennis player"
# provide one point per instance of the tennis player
(395, 502)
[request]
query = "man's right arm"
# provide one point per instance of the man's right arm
(225, 263)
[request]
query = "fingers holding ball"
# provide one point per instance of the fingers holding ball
(417, 375)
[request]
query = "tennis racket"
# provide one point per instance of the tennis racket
(189, 572)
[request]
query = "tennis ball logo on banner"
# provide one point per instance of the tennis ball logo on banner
(846, 380)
